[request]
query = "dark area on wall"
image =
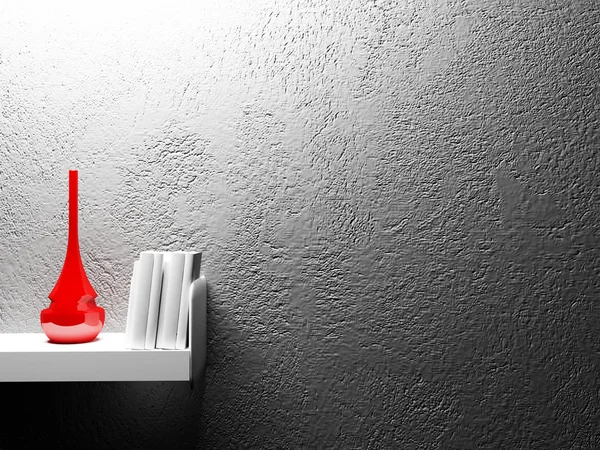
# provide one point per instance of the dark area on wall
(107, 415)
(398, 203)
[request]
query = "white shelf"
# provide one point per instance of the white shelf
(31, 357)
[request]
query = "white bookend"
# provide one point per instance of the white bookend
(169, 300)
(141, 301)
(191, 272)
(132, 297)
(154, 304)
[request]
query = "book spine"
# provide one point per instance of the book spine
(142, 302)
(130, 307)
(154, 304)
(170, 299)
(191, 273)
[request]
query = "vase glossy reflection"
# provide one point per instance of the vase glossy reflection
(73, 316)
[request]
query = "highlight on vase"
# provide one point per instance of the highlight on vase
(73, 316)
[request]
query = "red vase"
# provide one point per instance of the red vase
(73, 316)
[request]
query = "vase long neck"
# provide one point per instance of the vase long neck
(73, 284)
(73, 240)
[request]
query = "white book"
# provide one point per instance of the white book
(191, 272)
(132, 295)
(154, 304)
(169, 300)
(141, 301)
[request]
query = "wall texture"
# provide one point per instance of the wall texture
(398, 204)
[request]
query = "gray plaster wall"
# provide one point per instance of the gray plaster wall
(397, 202)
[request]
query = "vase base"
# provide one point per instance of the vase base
(73, 334)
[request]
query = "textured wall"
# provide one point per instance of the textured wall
(398, 203)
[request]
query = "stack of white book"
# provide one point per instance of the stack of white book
(159, 299)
